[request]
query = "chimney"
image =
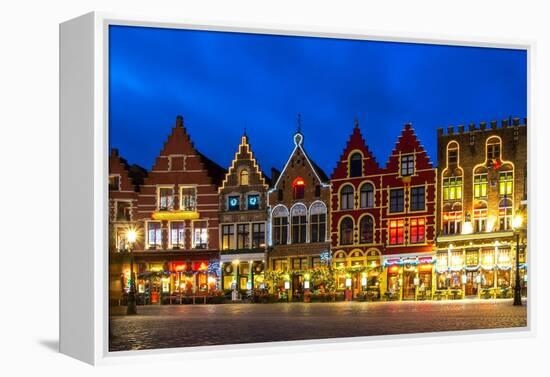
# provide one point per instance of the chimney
(179, 121)
(460, 128)
(274, 175)
(450, 130)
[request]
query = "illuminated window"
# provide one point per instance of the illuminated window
(346, 231)
(177, 234)
(280, 265)
(505, 183)
(258, 235)
(407, 165)
(243, 236)
(233, 203)
(123, 211)
(480, 217)
(452, 222)
(493, 149)
(298, 187)
(188, 197)
(366, 196)
(396, 232)
(452, 188)
(165, 198)
(472, 258)
(505, 214)
(418, 198)
(200, 235)
(318, 219)
(397, 200)
(480, 186)
(299, 223)
(114, 182)
(244, 178)
(366, 230)
(452, 153)
(154, 234)
(299, 263)
(253, 202)
(280, 225)
(417, 230)
(228, 237)
(346, 197)
(356, 165)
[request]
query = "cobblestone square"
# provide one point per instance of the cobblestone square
(168, 326)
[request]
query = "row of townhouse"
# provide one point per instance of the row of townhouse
(407, 230)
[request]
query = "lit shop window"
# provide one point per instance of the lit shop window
(418, 198)
(480, 186)
(258, 235)
(233, 203)
(356, 165)
(505, 214)
(114, 182)
(397, 200)
(346, 231)
(243, 236)
(228, 237)
(280, 225)
(165, 198)
(366, 230)
(154, 234)
(318, 217)
(396, 232)
(366, 196)
(452, 188)
(299, 223)
(407, 165)
(177, 234)
(244, 178)
(200, 234)
(280, 264)
(188, 198)
(346, 197)
(298, 188)
(505, 183)
(299, 264)
(417, 230)
(253, 202)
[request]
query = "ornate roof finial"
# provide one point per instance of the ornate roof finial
(299, 123)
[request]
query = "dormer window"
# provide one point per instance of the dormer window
(298, 188)
(356, 165)
(244, 178)
(407, 165)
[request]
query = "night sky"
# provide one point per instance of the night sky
(224, 82)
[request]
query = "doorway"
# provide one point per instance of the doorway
(470, 288)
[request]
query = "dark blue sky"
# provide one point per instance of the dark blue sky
(224, 82)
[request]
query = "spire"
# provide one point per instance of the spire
(244, 138)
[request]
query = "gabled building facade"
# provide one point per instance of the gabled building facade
(482, 185)
(357, 236)
(298, 205)
(178, 210)
(243, 221)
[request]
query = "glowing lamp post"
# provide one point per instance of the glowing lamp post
(517, 222)
(131, 237)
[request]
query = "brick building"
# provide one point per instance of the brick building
(124, 181)
(482, 185)
(243, 221)
(298, 203)
(384, 219)
(178, 211)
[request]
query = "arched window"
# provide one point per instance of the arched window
(346, 197)
(346, 231)
(452, 219)
(480, 216)
(356, 165)
(280, 225)
(244, 178)
(452, 153)
(298, 216)
(505, 214)
(318, 222)
(366, 230)
(367, 196)
(493, 149)
(298, 188)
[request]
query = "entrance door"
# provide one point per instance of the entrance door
(408, 285)
(470, 288)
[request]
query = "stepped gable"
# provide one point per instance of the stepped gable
(354, 143)
(408, 143)
(131, 176)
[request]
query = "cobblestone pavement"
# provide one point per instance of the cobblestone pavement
(167, 326)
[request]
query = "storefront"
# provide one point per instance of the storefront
(409, 278)
(242, 272)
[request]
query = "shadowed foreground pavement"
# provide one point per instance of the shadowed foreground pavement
(168, 326)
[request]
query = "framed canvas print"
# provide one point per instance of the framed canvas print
(225, 187)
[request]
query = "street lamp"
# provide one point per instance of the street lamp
(517, 221)
(131, 237)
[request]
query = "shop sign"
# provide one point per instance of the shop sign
(200, 266)
(348, 282)
(364, 282)
(179, 266)
(165, 285)
(287, 285)
(306, 284)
